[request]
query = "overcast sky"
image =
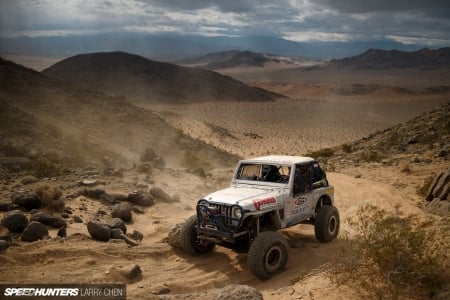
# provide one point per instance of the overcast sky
(422, 22)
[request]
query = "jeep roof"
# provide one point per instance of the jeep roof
(279, 159)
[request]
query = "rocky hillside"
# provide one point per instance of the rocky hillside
(146, 81)
(43, 118)
(422, 140)
(382, 59)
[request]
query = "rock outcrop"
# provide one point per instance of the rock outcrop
(438, 194)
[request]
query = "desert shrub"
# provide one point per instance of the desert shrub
(145, 167)
(324, 153)
(405, 166)
(347, 148)
(50, 197)
(391, 257)
(423, 190)
(45, 167)
(371, 156)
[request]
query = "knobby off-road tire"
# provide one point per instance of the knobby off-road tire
(188, 238)
(327, 224)
(267, 255)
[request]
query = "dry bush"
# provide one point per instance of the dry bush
(391, 257)
(371, 156)
(50, 197)
(45, 167)
(405, 167)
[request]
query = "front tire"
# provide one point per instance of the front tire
(327, 224)
(189, 241)
(267, 255)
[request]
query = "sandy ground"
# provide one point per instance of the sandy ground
(78, 259)
(292, 126)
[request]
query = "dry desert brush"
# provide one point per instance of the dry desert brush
(50, 197)
(392, 257)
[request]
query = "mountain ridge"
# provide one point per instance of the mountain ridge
(147, 81)
(382, 59)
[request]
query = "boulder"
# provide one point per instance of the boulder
(99, 231)
(136, 235)
(429, 195)
(118, 223)
(95, 193)
(238, 292)
(159, 194)
(445, 192)
(108, 198)
(3, 245)
(173, 238)
(132, 273)
(34, 231)
(7, 205)
(14, 221)
(438, 207)
(444, 179)
(122, 211)
(140, 198)
(116, 233)
(62, 232)
(48, 219)
(26, 200)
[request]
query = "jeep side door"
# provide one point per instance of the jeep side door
(300, 203)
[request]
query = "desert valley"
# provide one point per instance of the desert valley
(98, 133)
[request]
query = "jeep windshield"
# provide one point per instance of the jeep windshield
(263, 173)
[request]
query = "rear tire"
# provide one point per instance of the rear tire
(327, 224)
(188, 238)
(267, 255)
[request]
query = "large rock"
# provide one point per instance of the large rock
(48, 219)
(26, 200)
(99, 231)
(140, 198)
(122, 211)
(159, 194)
(440, 186)
(7, 205)
(3, 245)
(438, 207)
(173, 238)
(14, 221)
(238, 292)
(33, 232)
(118, 223)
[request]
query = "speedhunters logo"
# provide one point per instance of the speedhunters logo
(70, 291)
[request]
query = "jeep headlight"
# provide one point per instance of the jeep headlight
(237, 212)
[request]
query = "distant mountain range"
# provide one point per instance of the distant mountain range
(237, 58)
(143, 80)
(379, 59)
(173, 47)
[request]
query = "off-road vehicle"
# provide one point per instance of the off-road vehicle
(266, 194)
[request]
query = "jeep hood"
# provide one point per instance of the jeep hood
(241, 194)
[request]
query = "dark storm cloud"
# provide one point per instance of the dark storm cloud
(222, 5)
(366, 6)
(298, 20)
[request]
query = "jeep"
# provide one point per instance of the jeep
(266, 194)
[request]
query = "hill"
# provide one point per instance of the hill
(41, 117)
(144, 81)
(237, 58)
(381, 59)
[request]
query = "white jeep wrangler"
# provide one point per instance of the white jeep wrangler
(266, 194)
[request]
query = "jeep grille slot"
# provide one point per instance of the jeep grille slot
(224, 210)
